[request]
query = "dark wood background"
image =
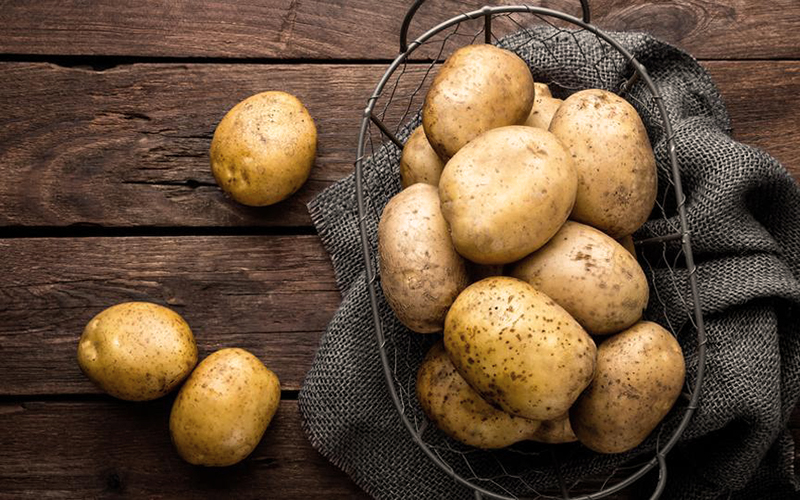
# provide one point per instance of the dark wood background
(107, 109)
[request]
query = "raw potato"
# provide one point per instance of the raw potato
(555, 431)
(421, 273)
(518, 348)
(506, 193)
(616, 167)
(544, 107)
(640, 375)
(591, 276)
(478, 88)
(263, 149)
(419, 162)
(627, 243)
(137, 351)
(460, 412)
(224, 408)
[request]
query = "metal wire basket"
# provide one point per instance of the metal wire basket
(392, 113)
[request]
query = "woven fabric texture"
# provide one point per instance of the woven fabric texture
(744, 217)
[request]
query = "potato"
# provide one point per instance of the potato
(419, 162)
(555, 431)
(478, 88)
(477, 272)
(639, 377)
(591, 276)
(627, 243)
(518, 348)
(460, 412)
(544, 107)
(137, 351)
(421, 273)
(617, 178)
(224, 408)
(506, 193)
(263, 149)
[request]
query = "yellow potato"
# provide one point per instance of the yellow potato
(518, 348)
(627, 242)
(137, 351)
(555, 431)
(478, 88)
(263, 149)
(640, 374)
(421, 273)
(419, 162)
(542, 90)
(544, 107)
(506, 193)
(617, 178)
(460, 412)
(591, 276)
(224, 408)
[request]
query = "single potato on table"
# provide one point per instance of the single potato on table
(460, 412)
(617, 178)
(544, 107)
(419, 162)
(224, 408)
(591, 276)
(518, 349)
(137, 351)
(478, 88)
(263, 149)
(506, 193)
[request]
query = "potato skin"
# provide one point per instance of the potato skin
(222, 411)
(518, 349)
(264, 148)
(544, 107)
(627, 243)
(510, 177)
(478, 88)
(640, 374)
(615, 162)
(421, 273)
(419, 162)
(460, 412)
(137, 351)
(555, 431)
(591, 276)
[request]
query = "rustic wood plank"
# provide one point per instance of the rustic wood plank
(713, 29)
(128, 146)
(271, 295)
(106, 448)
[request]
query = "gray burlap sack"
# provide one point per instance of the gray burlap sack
(744, 215)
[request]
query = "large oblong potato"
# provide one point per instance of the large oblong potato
(616, 166)
(478, 88)
(591, 276)
(224, 408)
(419, 162)
(544, 107)
(518, 348)
(640, 374)
(506, 193)
(421, 273)
(460, 412)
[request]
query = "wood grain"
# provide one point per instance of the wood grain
(362, 29)
(271, 295)
(128, 147)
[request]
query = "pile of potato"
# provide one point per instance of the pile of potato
(508, 237)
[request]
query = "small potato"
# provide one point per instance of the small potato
(544, 107)
(617, 178)
(419, 162)
(478, 88)
(591, 276)
(506, 193)
(263, 149)
(421, 273)
(137, 351)
(639, 377)
(224, 408)
(627, 243)
(460, 412)
(518, 348)
(555, 431)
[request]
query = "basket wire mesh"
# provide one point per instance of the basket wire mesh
(392, 112)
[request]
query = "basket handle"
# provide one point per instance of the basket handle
(418, 3)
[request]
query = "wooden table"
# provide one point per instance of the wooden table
(107, 109)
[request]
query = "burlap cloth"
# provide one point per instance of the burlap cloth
(744, 215)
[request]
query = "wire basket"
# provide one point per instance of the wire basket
(525, 470)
